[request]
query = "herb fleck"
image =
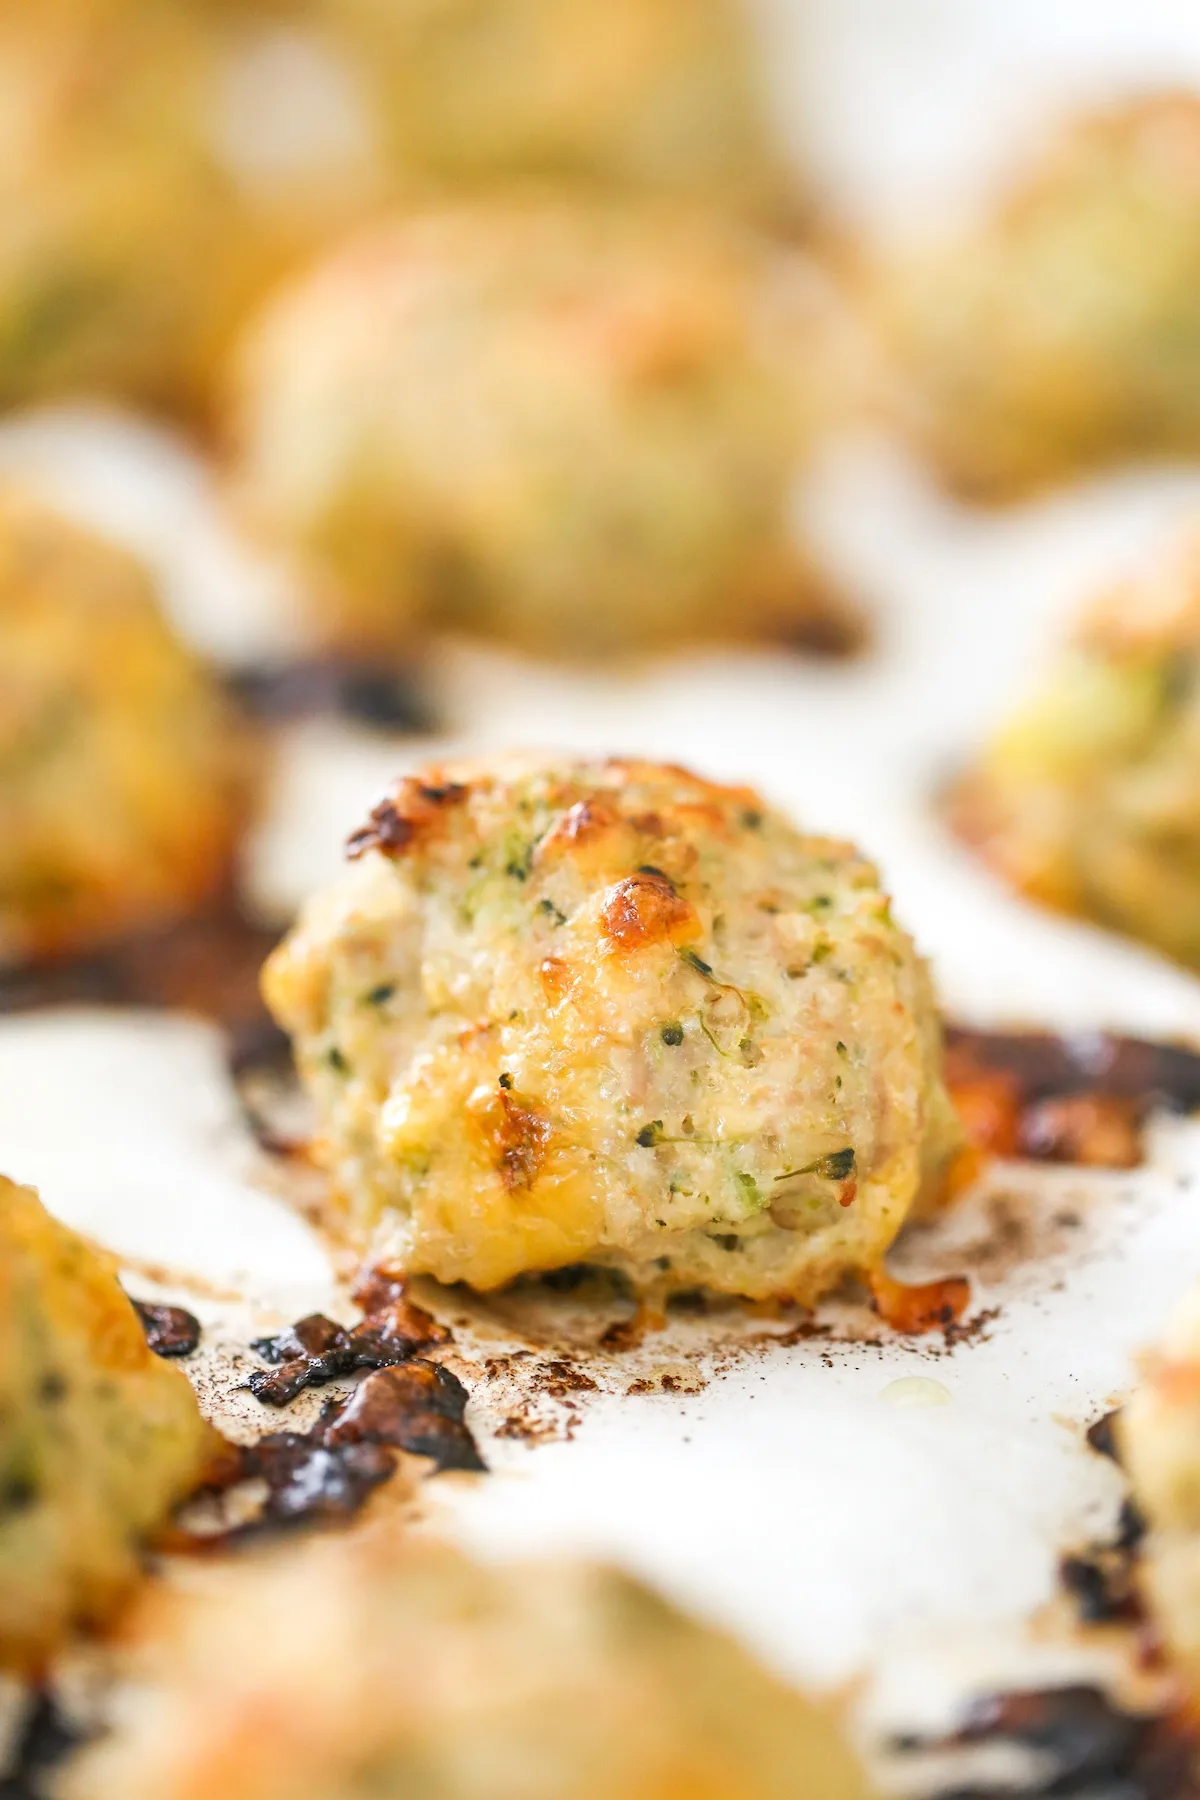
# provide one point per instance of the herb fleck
(520, 861)
(837, 1166)
(672, 1034)
(650, 1134)
(337, 1061)
(379, 996)
(696, 962)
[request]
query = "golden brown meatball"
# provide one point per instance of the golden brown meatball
(660, 93)
(613, 1013)
(1064, 331)
(121, 769)
(572, 426)
(155, 181)
(164, 162)
(98, 1437)
(1089, 799)
(377, 1666)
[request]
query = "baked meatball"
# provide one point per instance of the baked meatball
(612, 1013)
(660, 93)
(98, 1437)
(163, 164)
(375, 1665)
(122, 773)
(573, 426)
(1089, 799)
(1065, 330)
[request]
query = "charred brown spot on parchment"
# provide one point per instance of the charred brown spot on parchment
(45, 1741)
(1090, 1745)
(1102, 1436)
(412, 809)
(1079, 1099)
(316, 1350)
(931, 1306)
(382, 1294)
(170, 1330)
(380, 697)
(325, 1475)
(418, 1407)
(208, 964)
(834, 631)
(646, 909)
(1103, 1579)
(1099, 1131)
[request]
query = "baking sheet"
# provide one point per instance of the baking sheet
(844, 1525)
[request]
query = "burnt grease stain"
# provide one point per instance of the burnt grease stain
(325, 1475)
(1102, 1436)
(46, 1739)
(1080, 1098)
(417, 1406)
(209, 964)
(1101, 1580)
(1093, 1748)
(381, 697)
(316, 1350)
(405, 1403)
(170, 1330)
(258, 1056)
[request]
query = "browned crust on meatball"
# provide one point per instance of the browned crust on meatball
(646, 909)
(515, 1134)
(412, 808)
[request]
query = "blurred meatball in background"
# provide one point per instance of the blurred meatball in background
(390, 1663)
(124, 775)
(1063, 331)
(572, 426)
(163, 163)
(1089, 798)
(652, 93)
